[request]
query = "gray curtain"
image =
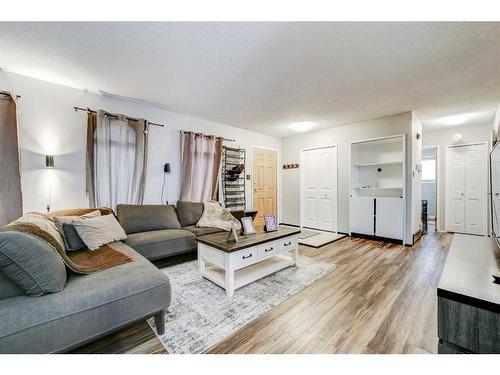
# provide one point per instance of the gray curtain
(117, 151)
(10, 181)
(200, 165)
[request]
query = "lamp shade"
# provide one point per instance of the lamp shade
(49, 161)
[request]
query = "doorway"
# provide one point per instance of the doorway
(318, 188)
(265, 165)
(429, 182)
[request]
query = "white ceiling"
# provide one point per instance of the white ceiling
(263, 76)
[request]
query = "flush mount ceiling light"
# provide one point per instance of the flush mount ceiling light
(301, 126)
(456, 119)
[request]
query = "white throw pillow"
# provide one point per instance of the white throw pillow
(99, 231)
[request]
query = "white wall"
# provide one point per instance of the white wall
(340, 136)
(49, 125)
(443, 138)
(416, 174)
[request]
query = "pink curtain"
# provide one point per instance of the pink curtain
(200, 164)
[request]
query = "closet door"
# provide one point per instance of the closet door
(475, 189)
(310, 191)
(319, 188)
(455, 189)
(363, 215)
(327, 188)
(386, 224)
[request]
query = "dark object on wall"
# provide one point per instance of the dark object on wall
(424, 216)
(49, 161)
(233, 178)
(166, 168)
(290, 166)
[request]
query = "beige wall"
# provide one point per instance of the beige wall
(340, 136)
(443, 138)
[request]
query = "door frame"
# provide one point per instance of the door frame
(278, 178)
(486, 220)
(301, 183)
(439, 184)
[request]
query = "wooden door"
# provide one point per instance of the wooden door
(455, 189)
(264, 183)
(475, 189)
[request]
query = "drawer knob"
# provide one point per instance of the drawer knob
(248, 256)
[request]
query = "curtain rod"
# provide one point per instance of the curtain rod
(88, 110)
(200, 134)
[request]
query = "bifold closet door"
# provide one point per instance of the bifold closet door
(319, 188)
(466, 189)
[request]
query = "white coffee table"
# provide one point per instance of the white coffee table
(232, 265)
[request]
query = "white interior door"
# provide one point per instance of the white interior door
(466, 189)
(495, 192)
(475, 189)
(455, 189)
(319, 188)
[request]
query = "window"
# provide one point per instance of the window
(429, 170)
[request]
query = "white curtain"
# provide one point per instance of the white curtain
(200, 164)
(120, 160)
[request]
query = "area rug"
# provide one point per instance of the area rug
(321, 239)
(201, 315)
(307, 233)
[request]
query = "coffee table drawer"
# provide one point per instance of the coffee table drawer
(245, 257)
(268, 249)
(287, 244)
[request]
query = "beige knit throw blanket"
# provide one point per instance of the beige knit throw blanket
(80, 261)
(216, 216)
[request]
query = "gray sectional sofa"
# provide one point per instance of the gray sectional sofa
(92, 306)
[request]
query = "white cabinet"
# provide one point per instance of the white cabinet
(378, 194)
(363, 215)
(466, 189)
(387, 224)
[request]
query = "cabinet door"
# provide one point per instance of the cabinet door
(362, 215)
(389, 218)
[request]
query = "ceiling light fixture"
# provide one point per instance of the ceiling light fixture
(456, 119)
(301, 126)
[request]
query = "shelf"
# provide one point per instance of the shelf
(393, 162)
(379, 188)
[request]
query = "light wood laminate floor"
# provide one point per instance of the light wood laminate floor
(380, 299)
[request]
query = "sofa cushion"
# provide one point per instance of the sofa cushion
(189, 212)
(99, 231)
(162, 243)
(88, 307)
(197, 231)
(7, 288)
(72, 240)
(31, 263)
(142, 218)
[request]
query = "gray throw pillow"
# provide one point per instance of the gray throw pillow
(189, 212)
(144, 218)
(99, 231)
(72, 240)
(31, 263)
